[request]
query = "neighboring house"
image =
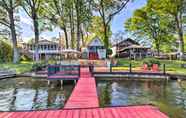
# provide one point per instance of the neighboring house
(130, 49)
(47, 49)
(95, 49)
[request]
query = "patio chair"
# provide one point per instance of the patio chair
(145, 67)
(155, 68)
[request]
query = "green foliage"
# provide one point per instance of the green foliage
(151, 61)
(152, 23)
(109, 51)
(39, 66)
(25, 58)
(6, 52)
(107, 10)
(185, 42)
(105, 96)
(97, 29)
(20, 68)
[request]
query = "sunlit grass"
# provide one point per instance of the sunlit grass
(172, 66)
(21, 67)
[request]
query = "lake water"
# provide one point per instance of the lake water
(32, 94)
(169, 97)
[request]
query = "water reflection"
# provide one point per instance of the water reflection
(169, 96)
(31, 94)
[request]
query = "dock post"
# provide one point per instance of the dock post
(74, 81)
(61, 83)
(48, 82)
(130, 67)
(179, 80)
(110, 67)
(164, 71)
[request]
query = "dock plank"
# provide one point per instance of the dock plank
(84, 94)
(113, 112)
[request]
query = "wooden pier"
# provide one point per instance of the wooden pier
(83, 103)
(84, 94)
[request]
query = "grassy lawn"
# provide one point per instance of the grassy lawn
(22, 67)
(172, 66)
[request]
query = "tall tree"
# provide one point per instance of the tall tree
(7, 19)
(56, 11)
(32, 8)
(83, 15)
(146, 22)
(96, 28)
(107, 10)
(176, 9)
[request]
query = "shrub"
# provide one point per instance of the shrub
(6, 52)
(109, 51)
(151, 61)
(25, 58)
(39, 66)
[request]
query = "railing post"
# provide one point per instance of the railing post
(110, 67)
(164, 71)
(79, 70)
(130, 67)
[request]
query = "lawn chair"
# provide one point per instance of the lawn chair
(155, 68)
(145, 67)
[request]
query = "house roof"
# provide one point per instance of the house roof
(43, 42)
(134, 47)
(95, 42)
(127, 40)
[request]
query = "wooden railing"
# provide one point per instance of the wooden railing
(63, 71)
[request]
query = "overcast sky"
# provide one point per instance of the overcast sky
(117, 23)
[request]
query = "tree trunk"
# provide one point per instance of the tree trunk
(36, 32)
(14, 38)
(180, 35)
(78, 25)
(157, 47)
(82, 37)
(71, 28)
(106, 36)
(66, 37)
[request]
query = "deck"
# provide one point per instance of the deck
(83, 103)
(112, 112)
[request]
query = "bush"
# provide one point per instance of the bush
(6, 52)
(109, 51)
(151, 61)
(38, 66)
(25, 58)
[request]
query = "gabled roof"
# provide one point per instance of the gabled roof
(133, 47)
(46, 42)
(95, 42)
(127, 40)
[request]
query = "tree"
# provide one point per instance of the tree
(83, 15)
(7, 20)
(5, 52)
(150, 23)
(32, 8)
(107, 10)
(176, 9)
(56, 12)
(96, 28)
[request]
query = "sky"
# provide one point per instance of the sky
(116, 25)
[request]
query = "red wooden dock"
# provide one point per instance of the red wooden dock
(113, 112)
(83, 103)
(84, 94)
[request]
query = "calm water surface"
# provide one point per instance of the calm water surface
(32, 94)
(170, 96)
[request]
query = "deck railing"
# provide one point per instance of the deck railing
(63, 71)
(129, 68)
